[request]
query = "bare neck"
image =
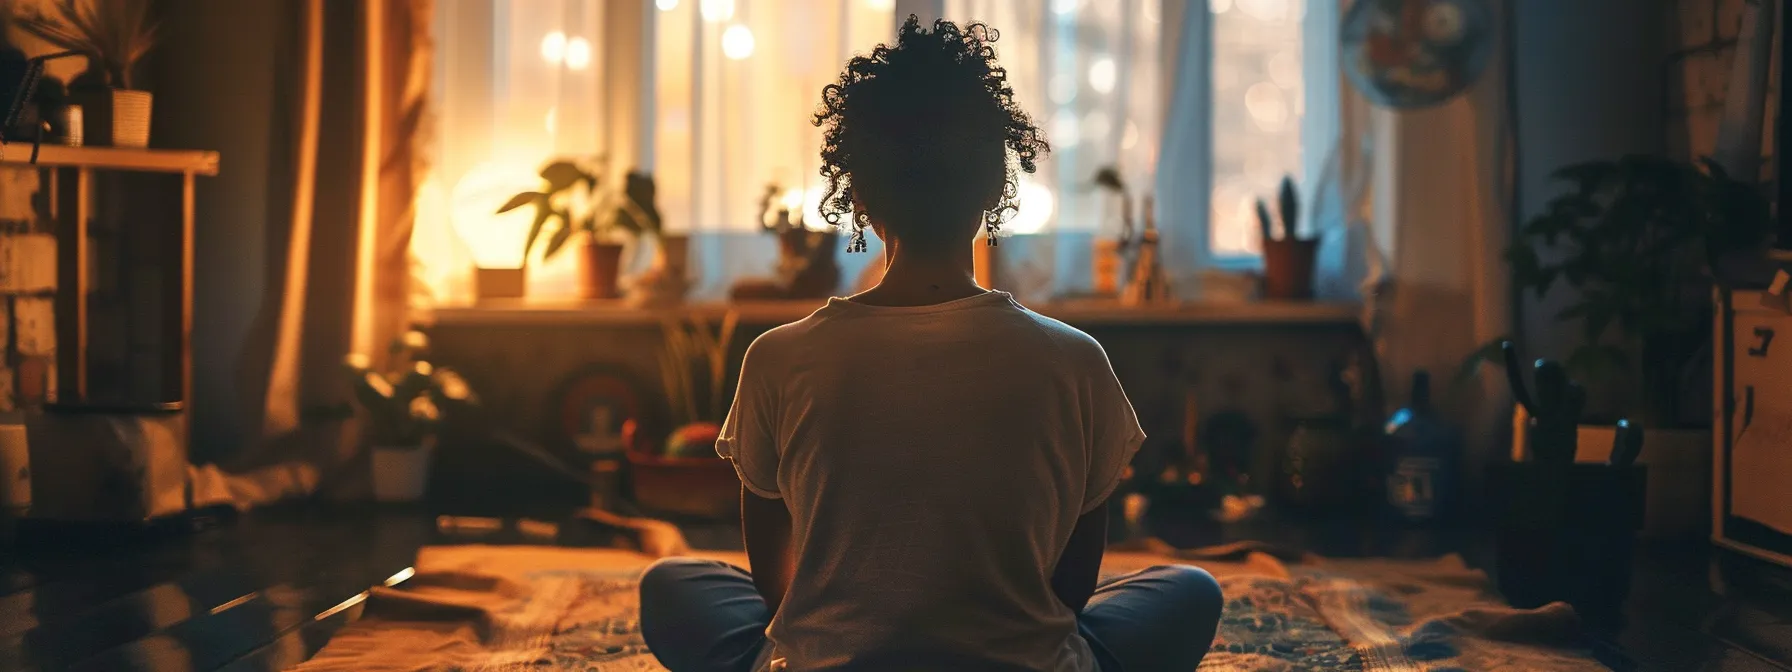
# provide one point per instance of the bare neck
(916, 276)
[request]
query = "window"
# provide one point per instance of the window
(1259, 99)
(731, 86)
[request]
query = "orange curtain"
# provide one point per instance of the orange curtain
(341, 273)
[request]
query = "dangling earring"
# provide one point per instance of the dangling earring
(857, 242)
(993, 227)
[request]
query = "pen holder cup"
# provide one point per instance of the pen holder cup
(1566, 533)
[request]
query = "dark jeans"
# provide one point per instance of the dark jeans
(706, 616)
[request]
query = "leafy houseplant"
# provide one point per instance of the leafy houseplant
(1638, 240)
(694, 370)
(114, 35)
(402, 409)
(573, 199)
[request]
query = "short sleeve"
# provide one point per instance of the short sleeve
(1115, 434)
(749, 437)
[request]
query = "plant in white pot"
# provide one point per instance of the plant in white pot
(1638, 241)
(114, 35)
(401, 410)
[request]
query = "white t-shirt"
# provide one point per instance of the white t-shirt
(934, 460)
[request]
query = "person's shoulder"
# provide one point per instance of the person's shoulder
(780, 341)
(1067, 338)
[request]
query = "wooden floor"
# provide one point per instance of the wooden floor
(267, 591)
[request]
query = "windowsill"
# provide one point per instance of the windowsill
(1082, 313)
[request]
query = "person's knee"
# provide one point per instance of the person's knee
(664, 577)
(1196, 589)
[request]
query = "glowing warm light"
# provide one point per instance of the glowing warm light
(666, 5)
(553, 47)
(1129, 138)
(1267, 106)
(1066, 132)
(553, 118)
(716, 10)
(1102, 74)
(812, 219)
(737, 42)
(1216, 6)
(578, 53)
(1033, 204)
(494, 240)
(792, 199)
(1153, 13)
(880, 4)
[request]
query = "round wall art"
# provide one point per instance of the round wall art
(1407, 54)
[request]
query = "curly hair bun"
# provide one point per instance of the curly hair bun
(925, 135)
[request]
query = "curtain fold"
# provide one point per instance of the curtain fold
(1439, 212)
(339, 275)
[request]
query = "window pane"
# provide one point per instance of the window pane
(735, 86)
(1258, 101)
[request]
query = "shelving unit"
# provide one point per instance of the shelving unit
(69, 186)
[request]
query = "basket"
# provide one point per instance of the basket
(697, 487)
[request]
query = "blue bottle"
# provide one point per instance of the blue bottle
(1422, 451)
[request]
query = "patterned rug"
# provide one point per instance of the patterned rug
(553, 610)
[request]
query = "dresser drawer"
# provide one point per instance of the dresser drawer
(1761, 351)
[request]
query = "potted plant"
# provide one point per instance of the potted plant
(402, 408)
(686, 476)
(113, 36)
(668, 278)
(1639, 240)
(574, 200)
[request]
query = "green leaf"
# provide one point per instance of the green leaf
(561, 175)
(541, 220)
(1587, 177)
(521, 200)
(557, 241)
(1488, 353)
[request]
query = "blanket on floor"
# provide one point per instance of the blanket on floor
(557, 609)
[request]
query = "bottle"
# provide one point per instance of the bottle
(1422, 451)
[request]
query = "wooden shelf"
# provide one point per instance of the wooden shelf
(1081, 313)
(184, 161)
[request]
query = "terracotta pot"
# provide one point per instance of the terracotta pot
(600, 270)
(499, 283)
(1288, 268)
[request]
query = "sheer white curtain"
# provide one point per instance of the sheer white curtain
(1203, 103)
(735, 85)
(1089, 73)
(518, 83)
